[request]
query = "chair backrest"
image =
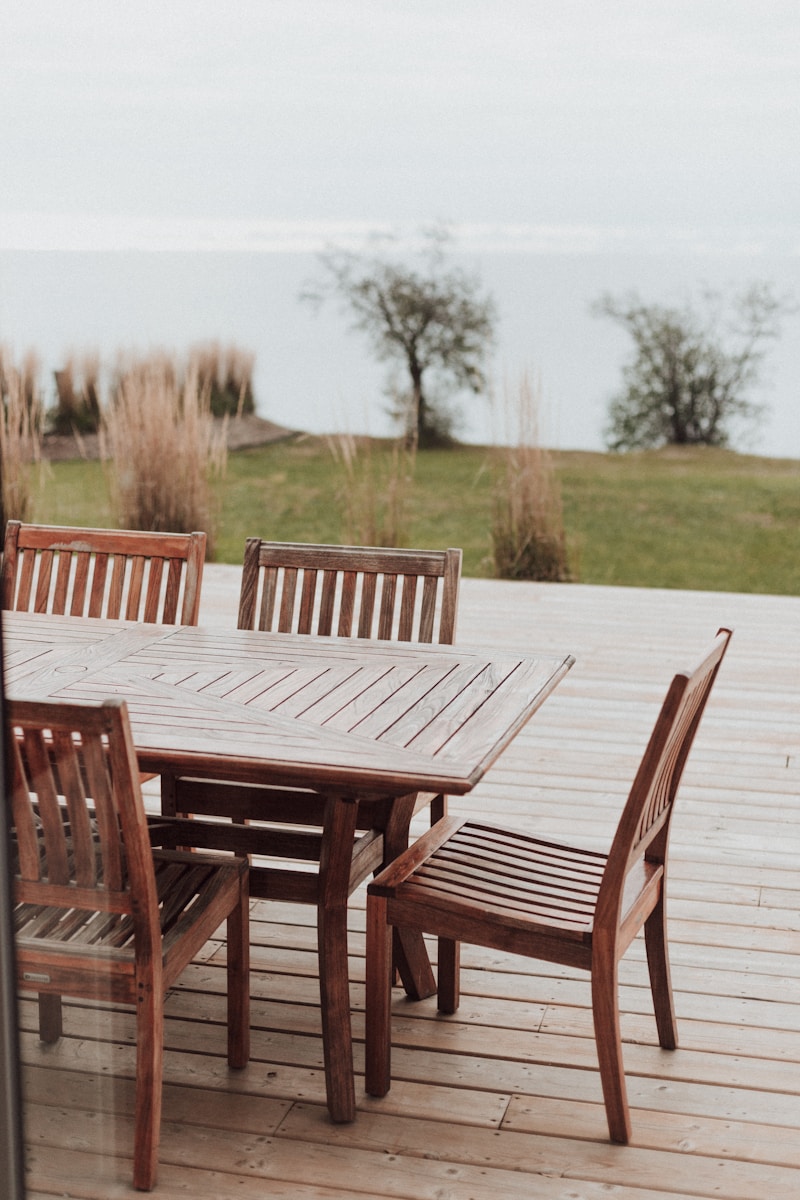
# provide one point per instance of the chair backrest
(79, 828)
(350, 591)
(116, 573)
(643, 829)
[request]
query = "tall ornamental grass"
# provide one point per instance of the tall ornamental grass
(528, 537)
(375, 489)
(21, 431)
(163, 449)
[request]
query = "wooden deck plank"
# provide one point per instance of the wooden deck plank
(503, 1099)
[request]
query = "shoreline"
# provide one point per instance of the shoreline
(243, 432)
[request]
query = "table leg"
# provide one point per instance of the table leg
(334, 980)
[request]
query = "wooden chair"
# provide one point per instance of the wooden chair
(115, 573)
(98, 913)
(350, 591)
(400, 595)
(347, 590)
(466, 881)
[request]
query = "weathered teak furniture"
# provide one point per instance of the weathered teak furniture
(464, 881)
(152, 577)
(103, 573)
(347, 591)
(350, 591)
(98, 913)
(356, 722)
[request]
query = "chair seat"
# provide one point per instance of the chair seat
(512, 879)
(188, 886)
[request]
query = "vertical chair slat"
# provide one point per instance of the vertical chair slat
(52, 825)
(287, 600)
(428, 608)
(42, 599)
(97, 590)
(306, 615)
(386, 614)
(405, 630)
(327, 603)
(26, 576)
(153, 591)
(347, 603)
(171, 593)
(369, 585)
(72, 785)
(83, 562)
(61, 592)
(268, 597)
(23, 818)
(99, 786)
(116, 588)
(134, 568)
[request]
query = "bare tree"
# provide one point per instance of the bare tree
(692, 372)
(432, 320)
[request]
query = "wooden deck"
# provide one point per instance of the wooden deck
(503, 1100)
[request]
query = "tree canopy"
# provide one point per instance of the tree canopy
(690, 378)
(431, 319)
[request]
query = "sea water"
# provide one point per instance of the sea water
(314, 372)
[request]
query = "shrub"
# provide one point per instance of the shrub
(227, 374)
(77, 407)
(165, 449)
(528, 538)
(21, 428)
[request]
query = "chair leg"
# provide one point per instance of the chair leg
(655, 935)
(438, 809)
(379, 972)
(412, 963)
(238, 940)
(51, 1024)
(605, 1010)
(449, 975)
(149, 1073)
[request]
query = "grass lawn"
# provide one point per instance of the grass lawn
(685, 518)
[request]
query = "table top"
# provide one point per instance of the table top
(363, 717)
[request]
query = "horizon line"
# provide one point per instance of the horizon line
(62, 232)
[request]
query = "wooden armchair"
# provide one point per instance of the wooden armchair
(397, 594)
(466, 881)
(98, 913)
(115, 573)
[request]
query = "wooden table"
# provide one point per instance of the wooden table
(354, 719)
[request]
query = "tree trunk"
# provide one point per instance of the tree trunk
(415, 425)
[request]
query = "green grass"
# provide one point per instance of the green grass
(697, 518)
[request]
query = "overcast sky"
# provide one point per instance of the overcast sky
(581, 123)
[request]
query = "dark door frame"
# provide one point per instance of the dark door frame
(12, 1176)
